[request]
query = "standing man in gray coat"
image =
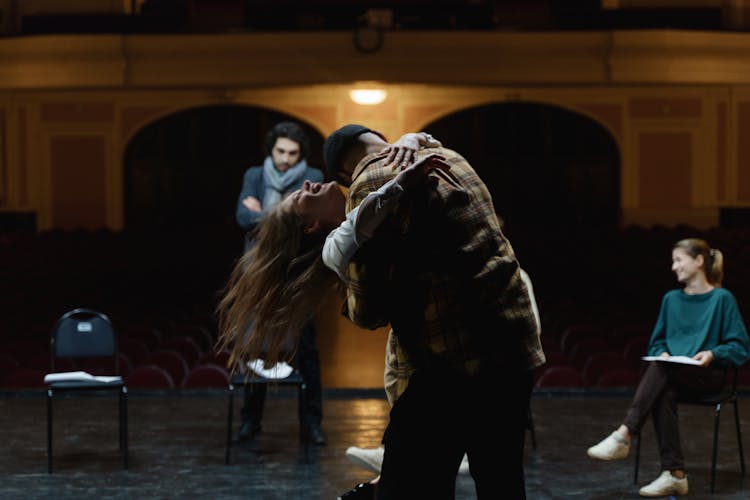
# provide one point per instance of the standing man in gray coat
(284, 170)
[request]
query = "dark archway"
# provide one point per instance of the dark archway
(555, 180)
(182, 176)
(546, 167)
(186, 169)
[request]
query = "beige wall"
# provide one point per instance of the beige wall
(676, 103)
(681, 153)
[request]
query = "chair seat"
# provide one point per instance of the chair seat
(727, 395)
(84, 385)
(241, 379)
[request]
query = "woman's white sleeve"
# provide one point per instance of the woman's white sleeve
(340, 246)
(374, 208)
(343, 242)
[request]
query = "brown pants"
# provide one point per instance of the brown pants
(661, 387)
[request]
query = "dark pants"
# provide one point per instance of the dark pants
(442, 416)
(308, 363)
(661, 385)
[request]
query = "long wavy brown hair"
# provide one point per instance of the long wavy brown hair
(273, 290)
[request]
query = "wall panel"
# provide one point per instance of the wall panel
(78, 181)
(664, 170)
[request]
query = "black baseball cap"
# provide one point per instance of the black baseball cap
(336, 145)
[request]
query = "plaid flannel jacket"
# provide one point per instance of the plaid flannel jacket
(440, 271)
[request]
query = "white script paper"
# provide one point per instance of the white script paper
(673, 359)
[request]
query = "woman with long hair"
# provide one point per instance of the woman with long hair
(282, 282)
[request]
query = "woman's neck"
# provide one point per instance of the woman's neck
(698, 286)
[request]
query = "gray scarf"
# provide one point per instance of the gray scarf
(277, 182)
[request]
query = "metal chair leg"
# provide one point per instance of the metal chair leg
(739, 435)
(717, 416)
(637, 457)
(230, 412)
(49, 431)
(124, 426)
(304, 433)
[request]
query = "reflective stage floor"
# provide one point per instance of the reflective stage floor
(177, 448)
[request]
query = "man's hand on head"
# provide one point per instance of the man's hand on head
(403, 152)
(418, 173)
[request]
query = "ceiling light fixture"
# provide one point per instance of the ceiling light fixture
(368, 96)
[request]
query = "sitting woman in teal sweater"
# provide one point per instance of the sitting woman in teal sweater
(700, 321)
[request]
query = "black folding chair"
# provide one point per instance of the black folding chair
(716, 401)
(85, 333)
(241, 380)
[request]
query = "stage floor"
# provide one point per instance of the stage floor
(177, 448)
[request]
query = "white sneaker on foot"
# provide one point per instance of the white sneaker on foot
(372, 459)
(665, 484)
(369, 458)
(464, 467)
(612, 447)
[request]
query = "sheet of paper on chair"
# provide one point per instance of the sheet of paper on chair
(673, 359)
(79, 377)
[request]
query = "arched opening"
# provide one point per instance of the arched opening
(554, 176)
(182, 176)
(545, 166)
(186, 169)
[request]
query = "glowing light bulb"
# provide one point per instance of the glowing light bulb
(368, 97)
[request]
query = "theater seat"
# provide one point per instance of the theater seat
(149, 377)
(619, 377)
(561, 376)
(207, 375)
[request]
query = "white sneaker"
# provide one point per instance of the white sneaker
(464, 467)
(612, 447)
(369, 458)
(372, 459)
(665, 484)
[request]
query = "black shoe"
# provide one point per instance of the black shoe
(317, 436)
(363, 491)
(248, 430)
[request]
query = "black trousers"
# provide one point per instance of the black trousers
(441, 416)
(658, 391)
(308, 363)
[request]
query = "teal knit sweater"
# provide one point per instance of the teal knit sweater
(711, 321)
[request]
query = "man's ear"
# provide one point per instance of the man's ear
(312, 227)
